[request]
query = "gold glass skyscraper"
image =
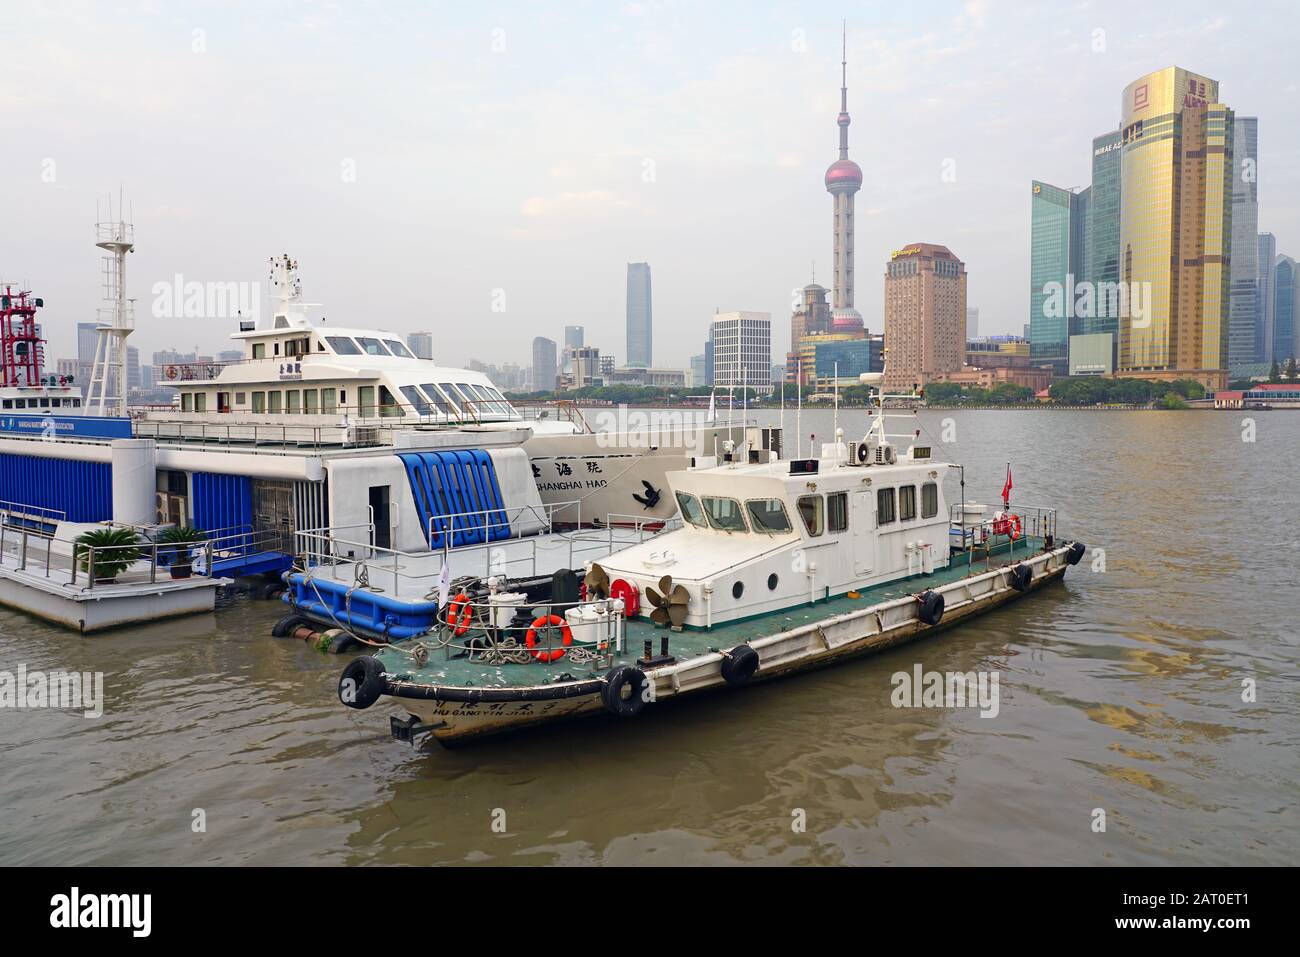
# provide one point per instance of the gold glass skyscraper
(1175, 228)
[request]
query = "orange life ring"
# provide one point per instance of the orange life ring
(566, 633)
(1015, 527)
(464, 612)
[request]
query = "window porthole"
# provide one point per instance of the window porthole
(771, 581)
(737, 589)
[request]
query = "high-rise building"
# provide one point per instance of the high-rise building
(543, 364)
(972, 322)
(1176, 227)
(574, 337)
(640, 321)
(925, 315)
(742, 348)
(708, 359)
(1244, 271)
(421, 344)
(843, 180)
(1102, 229)
(811, 317)
(1264, 287)
(1286, 309)
(1055, 265)
(585, 367)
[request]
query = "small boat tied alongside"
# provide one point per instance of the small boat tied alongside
(779, 566)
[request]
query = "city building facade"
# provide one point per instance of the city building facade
(925, 315)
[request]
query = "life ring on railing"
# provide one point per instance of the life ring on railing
(464, 612)
(530, 639)
(1015, 527)
(172, 372)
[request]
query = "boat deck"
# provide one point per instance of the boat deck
(450, 664)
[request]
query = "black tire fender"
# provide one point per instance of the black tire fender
(1075, 553)
(611, 694)
(285, 626)
(932, 605)
(1021, 576)
(362, 682)
(739, 664)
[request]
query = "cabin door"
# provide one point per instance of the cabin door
(273, 524)
(863, 532)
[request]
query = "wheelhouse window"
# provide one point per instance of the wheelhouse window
(929, 500)
(691, 510)
(907, 503)
(397, 349)
(885, 509)
(372, 347)
(837, 511)
(259, 350)
(419, 404)
(388, 402)
(810, 510)
(457, 398)
(437, 398)
(724, 513)
(768, 515)
(343, 346)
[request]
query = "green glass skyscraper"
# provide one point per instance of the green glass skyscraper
(1058, 220)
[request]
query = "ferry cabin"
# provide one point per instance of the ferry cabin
(763, 537)
(297, 368)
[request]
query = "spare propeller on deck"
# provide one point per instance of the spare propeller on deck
(670, 603)
(597, 582)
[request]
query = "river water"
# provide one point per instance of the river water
(1120, 690)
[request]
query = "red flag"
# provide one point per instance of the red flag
(1006, 489)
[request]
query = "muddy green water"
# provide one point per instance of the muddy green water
(1120, 690)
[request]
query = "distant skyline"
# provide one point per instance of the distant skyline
(487, 174)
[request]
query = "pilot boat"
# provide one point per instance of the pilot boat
(779, 566)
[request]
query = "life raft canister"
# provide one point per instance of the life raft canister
(530, 639)
(461, 609)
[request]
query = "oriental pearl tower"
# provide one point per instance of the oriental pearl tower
(843, 179)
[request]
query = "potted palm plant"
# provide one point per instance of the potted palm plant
(106, 552)
(180, 541)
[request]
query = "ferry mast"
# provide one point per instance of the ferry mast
(20, 342)
(106, 394)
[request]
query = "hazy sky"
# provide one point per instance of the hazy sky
(418, 157)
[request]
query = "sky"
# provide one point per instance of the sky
(485, 171)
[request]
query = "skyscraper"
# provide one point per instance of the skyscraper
(1244, 289)
(1175, 227)
(1286, 309)
(925, 315)
(640, 337)
(543, 364)
(1265, 285)
(1102, 259)
(972, 322)
(1055, 265)
(421, 344)
(574, 337)
(742, 349)
(843, 180)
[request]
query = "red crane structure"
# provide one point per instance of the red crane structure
(20, 343)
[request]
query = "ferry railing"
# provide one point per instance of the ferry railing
(1035, 522)
(27, 514)
(83, 559)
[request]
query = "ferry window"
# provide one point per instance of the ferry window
(292, 398)
(691, 511)
(9, 403)
(259, 401)
(452, 393)
(259, 350)
(387, 404)
(810, 510)
(837, 512)
(418, 402)
(929, 500)
(437, 398)
(277, 348)
(397, 349)
(273, 402)
(343, 346)
(328, 401)
(187, 402)
(200, 402)
(371, 347)
(240, 398)
(885, 513)
(768, 515)
(487, 402)
(366, 400)
(724, 513)
(309, 404)
(907, 503)
(76, 403)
